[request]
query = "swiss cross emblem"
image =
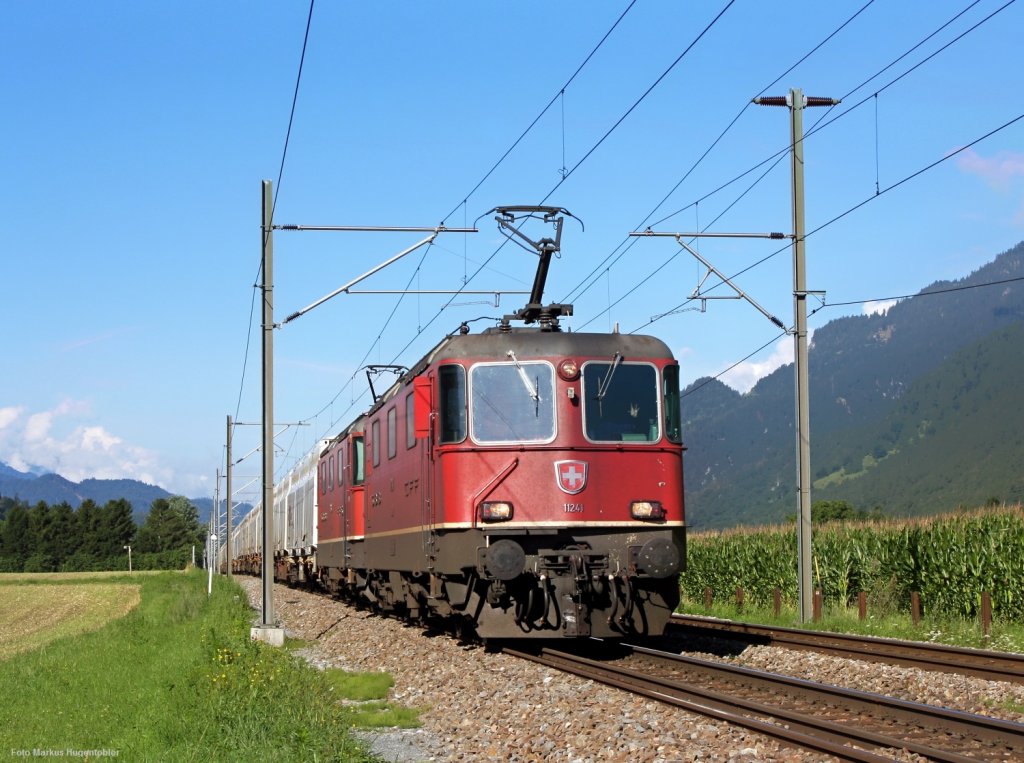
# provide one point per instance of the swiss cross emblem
(571, 476)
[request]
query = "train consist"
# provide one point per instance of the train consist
(523, 482)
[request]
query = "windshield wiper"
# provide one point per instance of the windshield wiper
(602, 388)
(531, 390)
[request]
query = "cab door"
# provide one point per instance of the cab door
(421, 401)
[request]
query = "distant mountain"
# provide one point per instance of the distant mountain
(53, 489)
(9, 472)
(740, 462)
(956, 437)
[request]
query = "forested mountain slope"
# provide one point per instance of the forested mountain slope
(741, 448)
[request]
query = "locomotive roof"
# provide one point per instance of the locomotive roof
(494, 343)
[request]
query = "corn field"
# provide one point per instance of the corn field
(950, 560)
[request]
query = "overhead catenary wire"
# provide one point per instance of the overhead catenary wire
(586, 156)
(704, 155)
(918, 295)
(848, 211)
(277, 191)
(775, 158)
(559, 94)
(463, 204)
(601, 140)
(466, 278)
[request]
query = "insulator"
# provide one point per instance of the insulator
(771, 100)
(814, 100)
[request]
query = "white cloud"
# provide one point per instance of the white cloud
(38, 426)
(744, 376)
(881, 307)
(61, 441)
(998, 170)
(9, 415)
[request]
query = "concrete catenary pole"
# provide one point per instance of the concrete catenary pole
(797, 102)
(267, 290)
(216, 518)
(803, 429)
(228, 539)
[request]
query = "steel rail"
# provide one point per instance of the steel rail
(845, 741)
(981, 663)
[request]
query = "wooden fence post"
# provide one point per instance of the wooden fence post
(817, 606)
(739, 599)
(777, 601)
(986, 613)
(862, 605)
(707, 598)
(915, 608)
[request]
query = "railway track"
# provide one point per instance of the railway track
(848, 724)
(992, 666)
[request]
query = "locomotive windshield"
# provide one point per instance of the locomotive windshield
(512, 402)
(620, 401)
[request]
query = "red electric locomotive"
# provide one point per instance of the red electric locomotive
(524, 481)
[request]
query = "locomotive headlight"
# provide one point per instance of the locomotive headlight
(569, 370)
(648, 510)
(495, 511)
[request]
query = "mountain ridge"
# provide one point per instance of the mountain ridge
(740, 462)
(52, 488)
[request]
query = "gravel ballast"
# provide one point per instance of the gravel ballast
(484, 706)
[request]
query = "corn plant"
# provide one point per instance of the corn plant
(950, 560)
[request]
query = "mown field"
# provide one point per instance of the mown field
(69, 577)
(34, 615)
(160, 671)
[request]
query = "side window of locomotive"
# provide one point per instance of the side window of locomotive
(673, 425)
(410, 421)
(341, 467)
(452, 382)
(512, 402)
(323, 478)
(330, 474)
(375, 441)
(392, 432)
(358, 460)
(620, 402)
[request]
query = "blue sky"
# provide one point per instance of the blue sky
(136, 136)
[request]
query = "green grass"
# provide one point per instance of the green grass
(1003, 636)
(359, 686)
(385, 715)
(176, 679)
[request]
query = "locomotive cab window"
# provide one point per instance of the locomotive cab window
(375, 441)
(410, 421)
(673, 425)
(358, 460)
(621, 401)
(512, 402)
(452, 382)
(392, 432)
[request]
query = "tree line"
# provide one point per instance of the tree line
(58, 538)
